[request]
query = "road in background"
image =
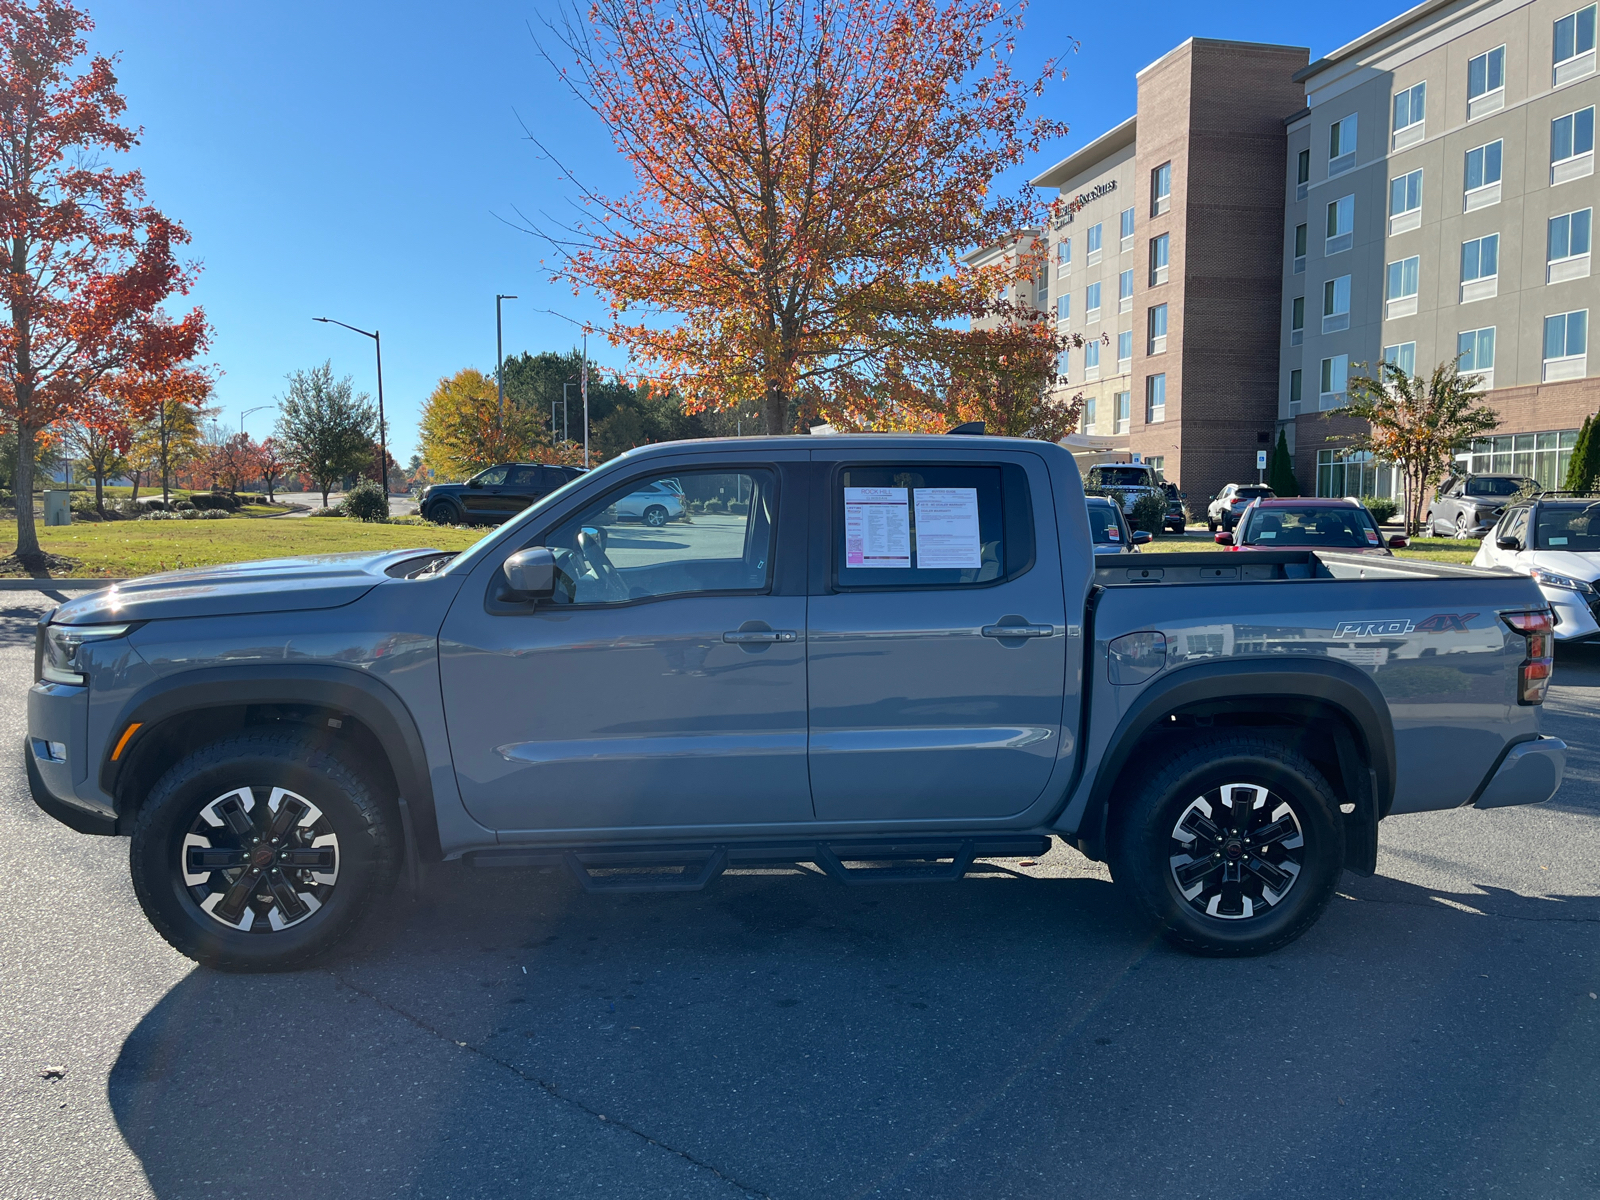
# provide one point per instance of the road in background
(1017, 1035)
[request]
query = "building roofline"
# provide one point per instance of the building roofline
(1074, 164)
(1367, 40)
(1299, 116)
(1011, 239)
(1203, 41)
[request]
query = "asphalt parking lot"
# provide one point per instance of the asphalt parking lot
(1017, 1035)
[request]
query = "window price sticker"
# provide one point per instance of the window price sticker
(877, 527)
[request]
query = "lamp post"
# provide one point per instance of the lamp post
(248, 411)
(499, 374)
(383, 432)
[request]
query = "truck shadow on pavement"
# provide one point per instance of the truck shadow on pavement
(780, 1035)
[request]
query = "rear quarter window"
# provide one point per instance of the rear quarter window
(909, 526)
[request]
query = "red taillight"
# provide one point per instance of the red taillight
(1533, 676)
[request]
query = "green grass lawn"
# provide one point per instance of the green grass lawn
(1429, 549)
(122, 549)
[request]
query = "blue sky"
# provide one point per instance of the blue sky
(361, 161)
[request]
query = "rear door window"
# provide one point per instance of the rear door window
(929, 526)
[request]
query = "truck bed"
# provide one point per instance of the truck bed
(1224, 566)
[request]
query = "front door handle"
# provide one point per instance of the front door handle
(1018, 631)
(745, 637)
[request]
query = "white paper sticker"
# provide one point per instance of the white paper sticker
(877, 531)
(947, 529)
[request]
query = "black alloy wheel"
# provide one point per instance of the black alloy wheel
(259, 852)
(446, 512)
(1231, 844)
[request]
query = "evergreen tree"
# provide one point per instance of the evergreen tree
(1585, 463)
(1280, 473)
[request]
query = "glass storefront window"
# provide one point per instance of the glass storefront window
(1544, 456)
(1355, 473)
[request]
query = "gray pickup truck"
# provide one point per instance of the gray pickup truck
(887, 656)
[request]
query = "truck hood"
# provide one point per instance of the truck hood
(271, 585)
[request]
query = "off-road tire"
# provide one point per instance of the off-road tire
(1141, 842)
(369, 850)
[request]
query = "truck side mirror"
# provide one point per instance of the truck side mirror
(1508, 543)
(475, 482)
(1223, 539)
(531, 573)
(1142, 536)
(1398, 542)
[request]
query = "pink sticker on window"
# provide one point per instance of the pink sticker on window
(1372, 537)
(1113, 533)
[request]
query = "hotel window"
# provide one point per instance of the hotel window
(1091, 302)
(1341, 225)
(1302, 175)
(1094, 244)
(1299, 249)
(1574, 46)
(1342, 145)
(1161, 189)
(1567, 246)
(1475, 354)
(1572, 146)
(1403, 356)
(1566, 346)
(1297, 321)
(1480, 268)
(1091, 360)
(1064, 307)
(1124, 402)
(1405, 202)
(1400, 287)
(1155, 399)
(1486, 83)
(1127, 231)
(1483, 176)
(1295, 377)
(1064, 366)
(1159, 249)
(1088, 415)
(1156, 323)
(1336, 304)
(1125, 291)
(1335, 375)
(1410, 106)
(1124, 350)
(1064, 257)
(1540, 456)
(1041, 291)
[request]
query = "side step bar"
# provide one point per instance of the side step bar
(640, 868)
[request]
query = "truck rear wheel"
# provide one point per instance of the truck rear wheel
(1234, 847)
(258, 853)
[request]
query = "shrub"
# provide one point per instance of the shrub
(333, 510)
(713, 505)
(212, 514)
(1382, 508)
(213, 500)
(183, 506)
(366, 502)
(1149, 513)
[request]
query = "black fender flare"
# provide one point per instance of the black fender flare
(1323, 681)
(368, 700)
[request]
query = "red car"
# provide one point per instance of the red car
(1310, 524)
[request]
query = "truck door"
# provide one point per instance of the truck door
(664, 686)
(936, 635)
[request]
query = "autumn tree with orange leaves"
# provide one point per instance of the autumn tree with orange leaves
(88, 263)
(806, 177)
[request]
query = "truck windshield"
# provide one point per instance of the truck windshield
(1341, 528)
(1117, 477)
(1573, 527)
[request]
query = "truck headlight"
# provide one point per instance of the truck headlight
(58, 645)
(1551, 579)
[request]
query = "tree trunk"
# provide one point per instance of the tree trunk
(323, 484)
(27, 551)
(775, 407)
(135, 476)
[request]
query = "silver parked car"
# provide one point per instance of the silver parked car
(654, 505)
(1468, 506)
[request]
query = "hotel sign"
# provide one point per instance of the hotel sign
(1082, 198)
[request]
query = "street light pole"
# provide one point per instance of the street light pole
(248, 411)
(499, 374)
(383, 429)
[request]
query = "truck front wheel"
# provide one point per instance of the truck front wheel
(1234, 847)
(258, 853)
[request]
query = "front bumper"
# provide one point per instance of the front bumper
(69, 810)
(1530, 773)
(1576, 619)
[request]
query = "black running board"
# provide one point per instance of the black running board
(634, 868)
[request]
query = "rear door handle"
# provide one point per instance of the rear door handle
(739, 637)
(1018, 631)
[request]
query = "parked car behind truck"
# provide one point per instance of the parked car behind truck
(905, 650)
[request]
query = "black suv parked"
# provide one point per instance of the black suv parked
(493, 495)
